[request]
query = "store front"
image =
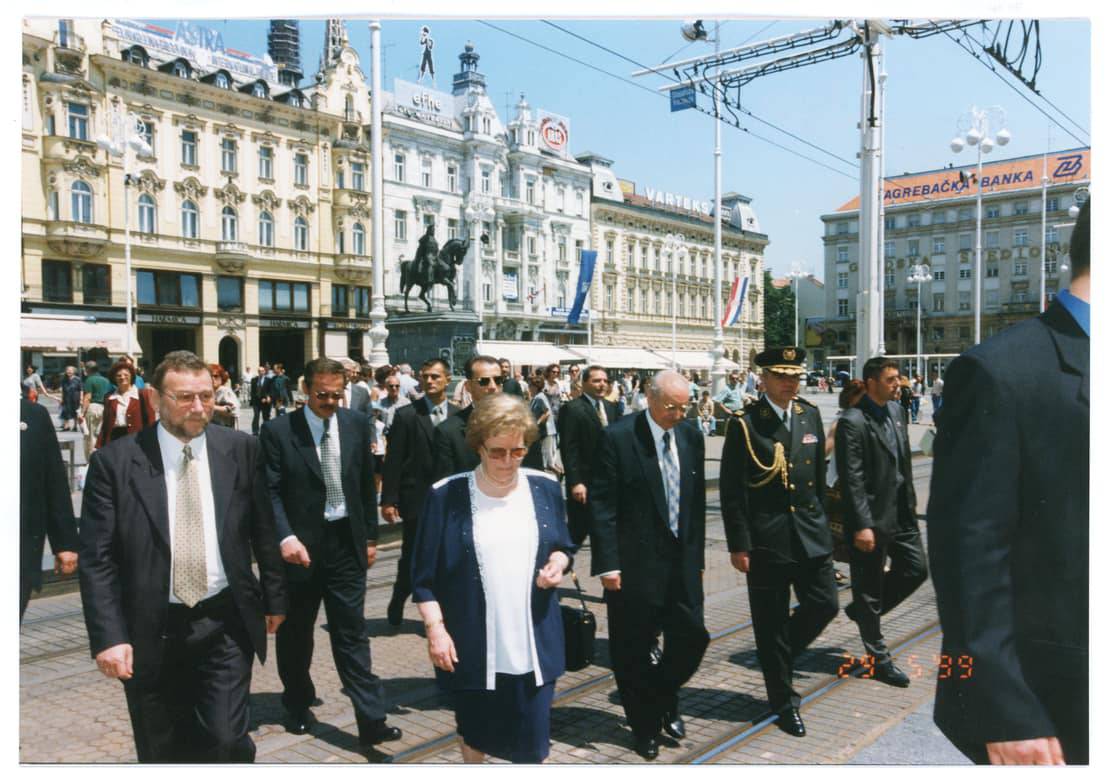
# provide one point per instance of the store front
(283, 340)
(161, 333)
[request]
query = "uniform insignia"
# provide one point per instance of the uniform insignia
(797, 408)
(789, 354)
(809, 438)
(765, 413)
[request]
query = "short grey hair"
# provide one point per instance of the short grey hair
(663, 377)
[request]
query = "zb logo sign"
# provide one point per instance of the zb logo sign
(1069, 165)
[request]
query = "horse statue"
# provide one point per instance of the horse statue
(429, 269)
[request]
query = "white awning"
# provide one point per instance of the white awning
(694, 360)
(622, 357)
(529, 353)
(69, 334)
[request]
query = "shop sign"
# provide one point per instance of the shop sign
(167, 318)
(284, 324)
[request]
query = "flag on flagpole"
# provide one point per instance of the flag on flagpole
(585, 277)
(735, 302)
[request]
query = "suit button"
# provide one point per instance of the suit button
(810, 483)
(809, 461)
(793, 487)
(792, 508)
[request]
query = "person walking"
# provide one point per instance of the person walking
(281, 390)
(319, 481)
(33, 387)
(917, 390)
(171, 522)
(491, 548)
(126, 410)
(94, 392)
(541, 411)
(648, 547)
(580, 426)
(71, 398)
(225, 412)
(260, 398)
(937, 391)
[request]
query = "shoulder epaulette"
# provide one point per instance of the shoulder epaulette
(801, 399)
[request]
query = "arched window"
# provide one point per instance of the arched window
(358, 235)
(259, 90)
(349, 108)
(190, 220)
(265, 229)
(146, 214)
(300, 234)
(81, 202)
(222, 82)
(181, 70)
(230, 224)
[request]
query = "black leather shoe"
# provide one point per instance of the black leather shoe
(889, 674)
(647, 747)
(395, 612)
(300, 722)
(655, 656)
(377, 732)
(790, 722)
(674, 726)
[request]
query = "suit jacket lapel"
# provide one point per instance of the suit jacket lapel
(302, 441)
(881, 434)
(424, 420)
(149, 484)
(224, 472)
(348, 442)
(649, 461)
(1073, 348)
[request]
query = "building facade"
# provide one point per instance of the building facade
(930, 219)
(639, 283)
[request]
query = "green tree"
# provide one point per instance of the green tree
(778, 313)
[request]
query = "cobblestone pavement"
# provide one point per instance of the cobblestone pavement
(61, 690)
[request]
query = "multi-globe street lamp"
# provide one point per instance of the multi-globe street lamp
(919, 276)
(976, 127)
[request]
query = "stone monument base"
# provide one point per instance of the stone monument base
(415, 337)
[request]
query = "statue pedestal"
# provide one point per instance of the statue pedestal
(416, 337)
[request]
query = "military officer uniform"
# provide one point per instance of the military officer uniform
(772, 492)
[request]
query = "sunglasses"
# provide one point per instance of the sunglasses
(392, 386)
(499, 453)
(485, 380)
(337, 396)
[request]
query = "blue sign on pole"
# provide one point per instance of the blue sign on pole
(683, 98)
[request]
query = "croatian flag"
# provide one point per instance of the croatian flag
(735, 302)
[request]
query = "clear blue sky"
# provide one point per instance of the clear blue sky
(931, 82)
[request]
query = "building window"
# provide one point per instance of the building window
(265, 229)
(912, 247)
(609, 248)
(1021, 237)
(189, 148)
(57, 282)
(146, 214)
(888, 248)
(888, 223)
(229, 224)
(78, 121)
(965, 331)
(562, 246)
(485, 182)
(842, 228)
(841, 307)
(399, 166)
(487, 229)
(358, 239)
(580, 203)
(429, 220)
(452, 229)
(1021, 207)
(282, 296)
(52, 206)
(300, 169)
(222, 81)
(426, 173)
(181, 290)
(889, 278)
(841, 280)
(80, 202)
(964, 300)
(96, 281)
(966, 214)
(229, 154)
(190, 227)
(992, 239)
(148, 134)
(530, 192)
(937, 217)
(229, 293)
(990, 298)
(938, 274)
(938, 333)
(400, 229)
(1021, 267)
(992, 270)
(341, 242)
(300, 234)
(531, 245)
(259, 90)
(841, 253)
(1052, 204)
(452, 178)
(1051, 235)
(486, 126)
(913, 220)
(1050, 264)
(361, 298)
(938, 245)
(339, 306)
(993, 212)
(938, 303)
(266, 163)
(965, 271)
(358, 176)
(965, 242)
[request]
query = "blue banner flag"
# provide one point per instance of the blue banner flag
(585, 276)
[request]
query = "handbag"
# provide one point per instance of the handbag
(579, 629)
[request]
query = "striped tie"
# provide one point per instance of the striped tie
(329, 463)
(670, 473)
(601, 414)
(190, 569)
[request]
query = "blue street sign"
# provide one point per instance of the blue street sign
(683, 98)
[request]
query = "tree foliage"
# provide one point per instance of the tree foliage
(778, 313)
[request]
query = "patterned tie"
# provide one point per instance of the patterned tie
(437, 416)
(329, 463)
(601, 414)
(190, 568)
(670, 476)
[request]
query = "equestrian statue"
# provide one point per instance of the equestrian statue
(433, 266)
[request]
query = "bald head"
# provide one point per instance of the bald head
(667, 395)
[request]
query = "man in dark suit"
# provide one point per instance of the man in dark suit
(511, 385)
(581, 422)
(260, 398)
(45, 506)
(880, 510)
(408, 471)
(648, 541)
(452, 453)
(320, 480)
(1009, 536)
(170, 520)
(772, 488)
(281, 394)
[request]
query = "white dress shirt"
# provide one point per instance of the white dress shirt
(784, 414)
(172, 459)
(432, 410)
(316, 429)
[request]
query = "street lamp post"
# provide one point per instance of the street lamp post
(674, 243)
(977, 125)
(795, 275)
(126, 135)
(379, 354)
(920, 275)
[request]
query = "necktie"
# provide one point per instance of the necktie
(670, 477)
(601, 414)
(329, 463)
(437, 415)
(190, 569)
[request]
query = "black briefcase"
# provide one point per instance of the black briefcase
(579, 629)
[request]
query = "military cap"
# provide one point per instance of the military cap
(788, 360)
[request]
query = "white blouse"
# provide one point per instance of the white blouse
(122, 401)
(506, 539)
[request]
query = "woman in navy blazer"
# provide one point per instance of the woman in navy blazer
(491, 547)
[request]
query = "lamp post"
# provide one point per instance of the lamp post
(674, 243)
(920, 275)
(379, 354)
(126, 136)
(796, 273)
(977, 126)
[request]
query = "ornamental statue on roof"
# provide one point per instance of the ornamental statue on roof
(427, 64)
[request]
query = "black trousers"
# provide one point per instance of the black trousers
(648, 691)
(410, 520)
(875, 592)
(339, 581)
(197, 707)
(261, 415)
(782, 635)
(578, 519)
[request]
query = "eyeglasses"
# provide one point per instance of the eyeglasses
(485, 380)
(188, 398)
(325, 395)
(500, 453)
(392, 386)
(672, 407)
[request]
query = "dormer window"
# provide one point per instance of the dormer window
(486, 125)
(294, 101)
(259, 90)
(136, 56)
(222, 82)
(181, 70)
(531, 138)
